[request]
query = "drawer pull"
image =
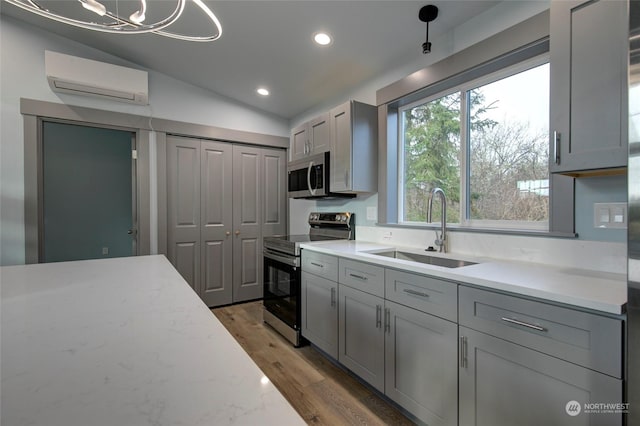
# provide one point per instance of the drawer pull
(317, 264)
(415, 293)
(360, 277)
(523, 324)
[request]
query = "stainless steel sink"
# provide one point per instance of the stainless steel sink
(423, 258)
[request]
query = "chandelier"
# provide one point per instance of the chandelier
(113, 16)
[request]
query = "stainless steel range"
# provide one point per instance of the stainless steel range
(282, 276)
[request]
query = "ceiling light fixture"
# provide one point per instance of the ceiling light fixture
(134, 24)
(322, 39)
(427, 14)
(262, 91)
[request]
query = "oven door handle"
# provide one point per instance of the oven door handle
(282, 258)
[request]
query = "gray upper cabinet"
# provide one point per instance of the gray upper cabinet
(310, 138)
(221, 200)
(354, 152)
(588, 85)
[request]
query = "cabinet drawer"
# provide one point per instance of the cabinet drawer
(362, 276)
(320, 264)
(427, 294)
(586, 339)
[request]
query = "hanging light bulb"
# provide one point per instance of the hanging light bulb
(427, 14)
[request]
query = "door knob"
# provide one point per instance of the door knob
(132, 232)
(227, 233)
(237, 232)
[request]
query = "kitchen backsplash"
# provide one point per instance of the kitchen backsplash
(570, 253)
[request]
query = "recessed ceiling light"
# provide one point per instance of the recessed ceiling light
(262, 91)
(322, 39)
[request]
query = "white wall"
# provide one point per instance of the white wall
(22, 75)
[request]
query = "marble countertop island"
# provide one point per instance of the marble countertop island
(123, 342)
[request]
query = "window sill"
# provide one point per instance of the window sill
(456, 228)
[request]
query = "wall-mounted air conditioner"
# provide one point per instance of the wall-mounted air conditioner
(79, 76)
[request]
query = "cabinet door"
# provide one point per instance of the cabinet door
(320, 312)
(183, 207)
(274, 192)
(217, 223)
(421, 364)
(341, 148)
(361, 335)
(299, 143)
(319, 135)
(504, 384)
(588, 85)
(247, 239)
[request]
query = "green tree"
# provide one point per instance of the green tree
(432, 152)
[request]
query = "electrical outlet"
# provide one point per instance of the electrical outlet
(105, 250)
(610, 215)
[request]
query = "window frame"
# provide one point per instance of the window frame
(463, 88)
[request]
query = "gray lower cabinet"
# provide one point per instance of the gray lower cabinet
(505, 384)
(361, 334)
(421, 369)
(222, 198)
(588, 85)
(319, 307)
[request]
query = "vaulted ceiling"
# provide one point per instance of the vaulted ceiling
(269, 43)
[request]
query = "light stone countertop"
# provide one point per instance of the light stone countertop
(600, 291)
(123, 342)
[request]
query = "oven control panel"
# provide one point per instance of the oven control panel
(332, 219)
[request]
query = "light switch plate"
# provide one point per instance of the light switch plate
(610, 215)
(372, 213)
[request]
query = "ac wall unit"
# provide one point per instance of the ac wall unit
(79, 76)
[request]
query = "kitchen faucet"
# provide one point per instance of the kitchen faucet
(440, 241)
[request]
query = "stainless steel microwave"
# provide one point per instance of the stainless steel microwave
(309, 178)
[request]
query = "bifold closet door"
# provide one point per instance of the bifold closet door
(247, 244)
(216, 177)
(183, 207)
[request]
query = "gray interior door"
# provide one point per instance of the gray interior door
(274, 192)
(87, 190)
(247, 244)
(217, 223)
(183, 207)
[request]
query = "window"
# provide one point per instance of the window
(485, 143)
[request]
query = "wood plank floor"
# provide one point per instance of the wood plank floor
(319, 391)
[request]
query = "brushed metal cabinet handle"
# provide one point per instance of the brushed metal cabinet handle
(317, 264)
(416, 293)
(358, 276)
(463, 352)
(333, 296)
(378, 316)
(556, 146)
(523, 324)
(387, 320)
